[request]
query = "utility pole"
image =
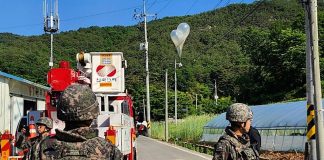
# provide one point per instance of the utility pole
(215, 93)
(311, 154)
(144, 110)
(196, 102)
(166, 107)
(51, 23)
(175, 93)
(178, 37)
(319, 125)
(145, 47)
(176, 90)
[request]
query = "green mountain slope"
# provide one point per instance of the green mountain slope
(254, 51)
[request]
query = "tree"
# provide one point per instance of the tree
(278, 58)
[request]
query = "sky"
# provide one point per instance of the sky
(25, 17)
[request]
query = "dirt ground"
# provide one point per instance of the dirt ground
(281, 156)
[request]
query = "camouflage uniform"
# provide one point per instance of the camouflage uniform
(230, 146)
(24, 143)
(79, 144)
(33, 144)
(78, 104)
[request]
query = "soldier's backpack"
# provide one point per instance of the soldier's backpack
(255, 138)
(243, 152)
(91, 149)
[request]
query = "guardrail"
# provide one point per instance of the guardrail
(197, 147)
(207, 149)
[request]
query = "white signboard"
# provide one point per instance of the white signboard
(107, 72)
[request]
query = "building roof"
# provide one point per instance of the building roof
(271, 116)
(10, 76)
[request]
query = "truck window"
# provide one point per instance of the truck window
(111, 108)
(125, 108)
(102, 99)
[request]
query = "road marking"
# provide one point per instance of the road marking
(182, 149)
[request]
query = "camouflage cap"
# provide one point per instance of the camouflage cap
(238, 112)
(46, 122)
(77, 103)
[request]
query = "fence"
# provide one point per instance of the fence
(280, 139)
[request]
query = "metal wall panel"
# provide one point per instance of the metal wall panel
(4, 105)
(13, 91)
(26, 90)
(17, 111)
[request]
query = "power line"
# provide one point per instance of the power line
(97, 14)
(152, 4)
(169, 1)
(243, 18)
(108, 12)
(84, 17)
(22, 26)
(73, 18)
(217, 5)
(227, 2)
(191, 6)
(79, 17)
(241, 1)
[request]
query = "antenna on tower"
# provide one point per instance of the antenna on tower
(51, 17)
(51, 22)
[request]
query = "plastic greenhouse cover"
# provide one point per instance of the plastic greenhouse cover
(277, 115)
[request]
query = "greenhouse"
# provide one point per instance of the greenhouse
(282, 126)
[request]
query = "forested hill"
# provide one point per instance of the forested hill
(254, 51)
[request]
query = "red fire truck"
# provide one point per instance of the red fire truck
(104, 72)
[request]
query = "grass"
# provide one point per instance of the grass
(189, 129)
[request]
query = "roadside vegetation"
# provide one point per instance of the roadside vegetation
(189, 129)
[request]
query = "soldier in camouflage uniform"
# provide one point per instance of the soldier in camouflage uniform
(235, 143)
(44, 126)
(78, 107)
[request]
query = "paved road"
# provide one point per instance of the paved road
(150, 149)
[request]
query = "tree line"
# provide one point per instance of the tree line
(255, 52)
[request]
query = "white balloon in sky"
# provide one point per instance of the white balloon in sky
(184, 28)
(177, 37)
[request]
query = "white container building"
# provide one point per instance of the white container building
(18, 96)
